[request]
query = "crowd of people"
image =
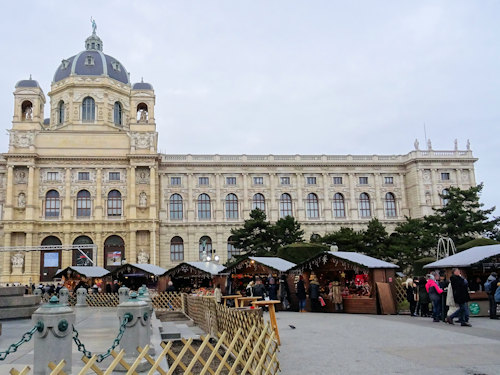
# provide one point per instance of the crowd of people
(449, 298)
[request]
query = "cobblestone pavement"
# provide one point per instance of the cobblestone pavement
(370, 344)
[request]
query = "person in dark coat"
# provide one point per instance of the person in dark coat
(301, 294)
(461, 296)
(410, 295)
(423, 298)
(259, 290)
(314, 293)
(273, 289)
(492, 282)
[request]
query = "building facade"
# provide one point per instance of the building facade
(88, 186)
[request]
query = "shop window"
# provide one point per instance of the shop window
(259, 202)
(204, 207)
(312, 206)
(176, 249)
(231, 206)
(338, 205)
(176, 207)
(285, 205)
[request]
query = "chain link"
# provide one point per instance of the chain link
(25, 338)
(101, 357)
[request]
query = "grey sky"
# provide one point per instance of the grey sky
(305, 77)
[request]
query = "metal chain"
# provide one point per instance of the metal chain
(101, 357)
(25, 338)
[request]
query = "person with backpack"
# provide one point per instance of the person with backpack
(461, 297)
(490, 286)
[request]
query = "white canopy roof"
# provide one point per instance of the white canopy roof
(276, 263)
(150, 268)
(361, 259)
(467, 257)
(209, 267)
(89, 271)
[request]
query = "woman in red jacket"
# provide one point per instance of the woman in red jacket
(435, 295)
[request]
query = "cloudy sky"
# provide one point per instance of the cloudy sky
(291, 77)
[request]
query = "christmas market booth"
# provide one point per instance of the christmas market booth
(248, 269)
(134, 275)
(74, 277)
(196, 277)
(476, 264)
(348, 282)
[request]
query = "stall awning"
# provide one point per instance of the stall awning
(132, 268)
(209, 268)
(276, 263)
(467, 257)
(362, 260)
(85, 271)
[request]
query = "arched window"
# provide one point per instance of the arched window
(338, 205)
(83, 204)
(204, 211)
(114, 203)
(445, 197)
(231, 249)
(142, 112)
(364, 205)
(285, 205)
(259, 202)
(176, 211)
(50, 256)
(114, 252)
(82, 254)
(390, 205)
(312, 206)
(205, 246)
(52, 204)
(27, 110)
(231, 206)
(176, 249)
(60, 112)
(118, 113)
(88, 109)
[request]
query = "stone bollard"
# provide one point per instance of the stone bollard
(81, 297)
(137, 332)
(38, 292)
(63, 296)
(146, 298)
(123, 294)
(52, 341)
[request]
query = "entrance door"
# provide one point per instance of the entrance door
(50, 260)
(114, 252)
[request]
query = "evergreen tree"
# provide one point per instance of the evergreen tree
(286, 231)
(347, 239)
(376, 240)
(255, 237)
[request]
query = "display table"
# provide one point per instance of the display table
(233, 297)
(245, 301)
(272, 314)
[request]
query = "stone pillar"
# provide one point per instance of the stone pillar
(31, 192)
(152, 193)
(377, 201)
(53, 340)
(403, 207)
(67, 204)
(218, 209)
(81, 297)
(153, 258)
(123, 294)
(353, 209)
(38, 292)
(143, 295)
(9, 201)
(132, 194)
(98, 209)
(299, 209)
(137, 332)
(132, 255)
(28, 259)
(66, 256)
(5, 272)
(190, 200)
(327, 203)
(245, 200)
(63, 296)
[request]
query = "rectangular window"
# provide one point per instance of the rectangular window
(52, 176)
(230, 180)
(176, 181)
(203, 181)
(388, 180)
(363, 180)
(445, 176)
(285, 180)
(83, 176)
(258, 180)
(114, 176)
(337, 180)
(311, 180)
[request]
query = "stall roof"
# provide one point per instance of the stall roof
(87, 271)
(150, 268)
(207, 267)
(361, 259)
(467, 257)
(276, 263)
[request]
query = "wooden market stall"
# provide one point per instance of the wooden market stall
(74, 277)
(246, 270)
(476, 264)
(364, 282)
(196, 276)
(137, 274)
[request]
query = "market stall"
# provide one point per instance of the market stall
(242, 273)
(348, 282)
(137, 274)
(74, 277)
(476, 264)
(196, 277)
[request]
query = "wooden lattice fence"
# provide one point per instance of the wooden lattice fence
(102, 300)
(167, 301)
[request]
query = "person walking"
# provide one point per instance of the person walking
(461, 296)
(410, 295)
(423, 298)
(273, 289)
(284, 293)
(301, 294)
(218, 294)
(435, 296)
(314, 293)
(259, 290)
(490, 286)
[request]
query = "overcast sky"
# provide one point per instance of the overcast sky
(290, 77)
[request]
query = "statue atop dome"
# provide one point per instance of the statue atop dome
(94, 25)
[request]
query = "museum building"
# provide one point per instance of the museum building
(88, 186)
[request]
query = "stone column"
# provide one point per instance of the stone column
(66, 256)
(6, 269)
(377, 203)
(299, 209)
(153, 256)
(327, 203)
(271, 204)
(218, 209)
(152, 193)
(100, 248)
(132, 251)
(353, 209)
(403, 208)
(31, 191)
(98, 209)
(190, 199)
(67, 202)
(132, 207)
(9, 201)
(245, 200)
(28, 259)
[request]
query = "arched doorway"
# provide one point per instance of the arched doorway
(114, 252)
(79, 259)
(50, 260)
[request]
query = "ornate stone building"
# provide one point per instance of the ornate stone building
(88, 186)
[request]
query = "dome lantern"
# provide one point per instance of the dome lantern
(93, 42)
